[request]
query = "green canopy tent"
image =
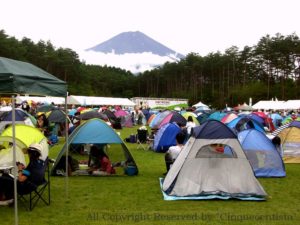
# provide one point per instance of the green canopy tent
(22, 78)
(17, 77)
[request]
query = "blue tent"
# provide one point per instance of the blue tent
(72, 112)
(295, 124)
(218, 115)
(244, 123)
(256, 118)
(276, 119)
(95, 131)
(166, 137)
(262, 154)
(203, 117)
(213, 129)
(20, 114)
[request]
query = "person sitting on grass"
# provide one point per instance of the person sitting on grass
(99, 162)
(174, 151)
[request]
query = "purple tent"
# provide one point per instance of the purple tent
(120, 113)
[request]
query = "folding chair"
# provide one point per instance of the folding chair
(142, 138)
(42, 191)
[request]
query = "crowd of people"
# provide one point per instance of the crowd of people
(98, 162)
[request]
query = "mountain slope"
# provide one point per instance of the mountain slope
(133, 51)
(134, 42)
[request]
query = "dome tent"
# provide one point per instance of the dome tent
(166, 137)
(262, 154)
(97, 132)
(24, 136)
(290, 140)
(201, 174)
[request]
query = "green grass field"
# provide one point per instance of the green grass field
(138, 200)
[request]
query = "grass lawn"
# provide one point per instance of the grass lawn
(138, 200)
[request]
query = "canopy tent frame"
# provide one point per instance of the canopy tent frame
(17, 77)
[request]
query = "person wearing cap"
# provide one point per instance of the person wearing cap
(28, 178)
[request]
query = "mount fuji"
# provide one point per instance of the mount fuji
(133, 51)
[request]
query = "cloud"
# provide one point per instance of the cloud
(135, 63)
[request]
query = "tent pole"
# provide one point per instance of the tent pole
(14, 159)
(67, 146)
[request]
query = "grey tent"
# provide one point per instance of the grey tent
(221, 172)
(57, 116)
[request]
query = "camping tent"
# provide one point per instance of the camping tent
(263, 119)
(289, 119)
(27, 135)
(126, 118)
(6, 153)
(228, 118)
(203, 117)
(276, 119)
(158, 118)
(87, 115)
(56, 116)
(21, 117)
(166, 137)
(244, 123)
(290, 140)
(95, 131)
(218, 115)
(173, 117)
(193, 115)
(17, 77)
(262, 154)
(202, 171)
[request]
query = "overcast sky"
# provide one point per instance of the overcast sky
(200, 26)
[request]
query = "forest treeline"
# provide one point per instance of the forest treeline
(269, 69)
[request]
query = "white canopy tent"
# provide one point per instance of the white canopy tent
(77, 100)
(292, 104)
(92, 100)
(200, 104)
(46, 99)
(266, 105)
(278, 105)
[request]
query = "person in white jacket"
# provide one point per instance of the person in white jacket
(190, 125)
(174, 151)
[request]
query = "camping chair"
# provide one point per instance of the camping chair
(142, 138)
(42, 191)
